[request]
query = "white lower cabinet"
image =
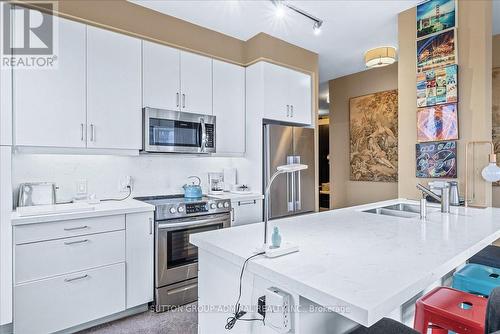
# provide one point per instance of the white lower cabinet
(70, 272)
(246, 212)
(65, 301)
(139, 254)
(44, 259)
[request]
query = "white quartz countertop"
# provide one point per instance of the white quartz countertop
(369, 263)
(238, 197)
(96, 210)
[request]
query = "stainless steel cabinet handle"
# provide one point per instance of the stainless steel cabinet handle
(75, 228)
(81, 131)
(291, 110)
(232, 214)
(76, 242)
(76, 278)
(92, 132)
(240, 203)
(183, 100)
(150, 225)
(287, 110)
(177, 99)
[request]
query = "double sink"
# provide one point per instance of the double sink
(402, 210)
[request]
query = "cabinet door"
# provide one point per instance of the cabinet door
(276, 93)
(160, 76)
(113, 90)
(49, 104)
(246, 212)
(196, 83)
(229, 107)
(300, 97)
(139, 257)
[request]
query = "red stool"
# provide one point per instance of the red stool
(450, 309)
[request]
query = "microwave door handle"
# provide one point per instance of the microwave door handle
(203, 134)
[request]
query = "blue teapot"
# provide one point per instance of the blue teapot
(193, 190)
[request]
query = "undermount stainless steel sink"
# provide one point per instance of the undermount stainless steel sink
(402, 210)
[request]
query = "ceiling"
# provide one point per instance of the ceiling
(349, 29)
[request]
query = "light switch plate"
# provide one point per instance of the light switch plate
(81, 187)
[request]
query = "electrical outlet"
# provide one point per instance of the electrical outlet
(125, 183)
(81, 187)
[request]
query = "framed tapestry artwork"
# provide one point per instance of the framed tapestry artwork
(437, 160)
(437, 86)
(496, 112)
(434, 16)
(437, 123)
(436, 51)
(373, 125)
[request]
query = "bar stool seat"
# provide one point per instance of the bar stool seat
(385, 326)
(489, 256)
(476, 279)
(450, 309)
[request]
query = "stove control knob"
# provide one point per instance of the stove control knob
(180, 209)
(226, 204)
(220, 205)
(173, 210)
(213, 206)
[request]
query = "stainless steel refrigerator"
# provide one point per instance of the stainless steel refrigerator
(291, 193)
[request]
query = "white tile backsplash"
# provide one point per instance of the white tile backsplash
(152, 174)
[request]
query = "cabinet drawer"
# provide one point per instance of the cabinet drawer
(61, 302)
(67, 228)
(246, 212)
(56, 257)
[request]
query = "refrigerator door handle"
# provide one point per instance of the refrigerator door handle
(297, 206)
(298, 202)
(290, 187)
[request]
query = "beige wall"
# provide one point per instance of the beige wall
(496, 63)
(474, 60)
(345, 192)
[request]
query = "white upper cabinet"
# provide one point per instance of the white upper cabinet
(196, 83)
(161, 76)
(49, 104)
(229, 107)
(113, 90)
(277, 104)
(300, 97)
(287, 94)
(176, 80)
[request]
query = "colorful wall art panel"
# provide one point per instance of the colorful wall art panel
(437, 86)
(437, 160)
(437, 123)
(434, 16)
(436, 51)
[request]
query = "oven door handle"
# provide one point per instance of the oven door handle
(201, 222)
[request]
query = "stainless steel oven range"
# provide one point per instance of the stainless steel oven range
(176, 260)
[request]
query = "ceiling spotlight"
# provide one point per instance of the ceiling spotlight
(281, 5)
(280, 11)
(317, 27)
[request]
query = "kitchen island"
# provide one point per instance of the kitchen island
(353, 267)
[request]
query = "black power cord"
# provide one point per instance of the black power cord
(231, 321)
(119, 199)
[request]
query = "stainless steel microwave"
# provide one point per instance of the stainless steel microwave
(177, 132)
